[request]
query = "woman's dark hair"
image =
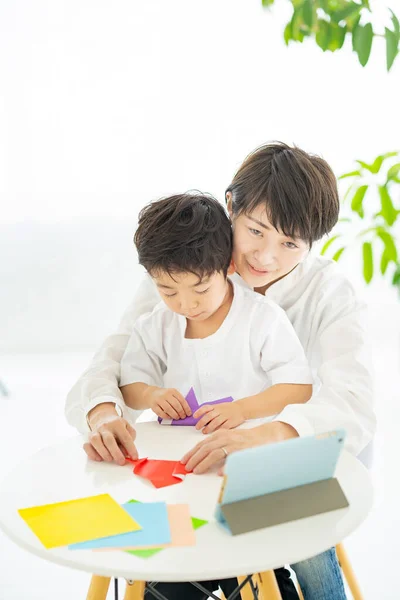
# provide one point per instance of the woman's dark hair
(299, 190)
(184, 233)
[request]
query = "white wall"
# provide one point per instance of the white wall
(106, 105)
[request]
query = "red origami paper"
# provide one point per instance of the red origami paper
(161, 473)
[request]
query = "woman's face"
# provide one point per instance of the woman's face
(261, 253)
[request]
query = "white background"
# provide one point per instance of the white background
(107, 105)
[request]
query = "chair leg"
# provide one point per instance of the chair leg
(134, 590)
(348, 572)
(98, 588)
(268, 586)
(246, 593)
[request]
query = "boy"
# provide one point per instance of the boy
(208, 333)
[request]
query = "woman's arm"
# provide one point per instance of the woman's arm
(345, 397)
(99, 383)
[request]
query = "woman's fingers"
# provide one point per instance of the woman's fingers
(207, 453)
(96, 441)
(91, 452)
(111, 444)
(127, 440)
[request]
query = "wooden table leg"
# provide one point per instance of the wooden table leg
(268, 586)
(134, 590)
(98, 588)
(348, 572)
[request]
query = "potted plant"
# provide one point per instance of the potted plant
(371, 209)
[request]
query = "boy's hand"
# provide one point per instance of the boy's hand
(219, 416)
(168, 403)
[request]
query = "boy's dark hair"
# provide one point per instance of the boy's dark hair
(299, 190)
(184, 233)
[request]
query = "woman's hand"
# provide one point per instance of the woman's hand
(219, 416)
(214, 449)
(111, 437)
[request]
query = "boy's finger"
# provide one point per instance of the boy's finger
(203, 410)
(215, 424)
(175, 402)
(170, 410)
(183, 402)
(162, 414)
(205, 420)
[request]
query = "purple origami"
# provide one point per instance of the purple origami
(194, 405)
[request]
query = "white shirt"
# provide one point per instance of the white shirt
(330, 323)
(255, 347)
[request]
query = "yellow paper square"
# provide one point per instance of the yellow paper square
(78, 520)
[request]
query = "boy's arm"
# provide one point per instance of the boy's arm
(273, 400)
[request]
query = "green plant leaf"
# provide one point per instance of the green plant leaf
(350, 174)
(329, 242)
(338, 254)
(384, 262)
(297, 25)
(393, 172)
(376, 165)
(362, 42)
(392, 47)
(337, 36)
(368, 261)
(267, 3)
(357, 202)
(390, 246)
(344, 220)
(388, 211)
(396, 24)
(396, 276)
(287, 34)
(344, 13)
(308, 13)
(323, 35)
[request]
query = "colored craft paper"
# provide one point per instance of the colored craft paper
(78, 520)
(194, 405)
(152, 516)
(196, 523)
(181, 526)
(161, 473)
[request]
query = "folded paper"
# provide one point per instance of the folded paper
(78, 520)
(153, 518)
(161, 473)
(194, 406)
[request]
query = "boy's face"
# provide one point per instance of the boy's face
(188, 295)
(261, 253)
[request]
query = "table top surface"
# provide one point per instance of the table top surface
(62, 472)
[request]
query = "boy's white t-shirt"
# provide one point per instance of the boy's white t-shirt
(254, 348)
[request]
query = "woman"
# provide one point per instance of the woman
(280, 201)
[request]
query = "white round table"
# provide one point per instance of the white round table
(62, 471)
